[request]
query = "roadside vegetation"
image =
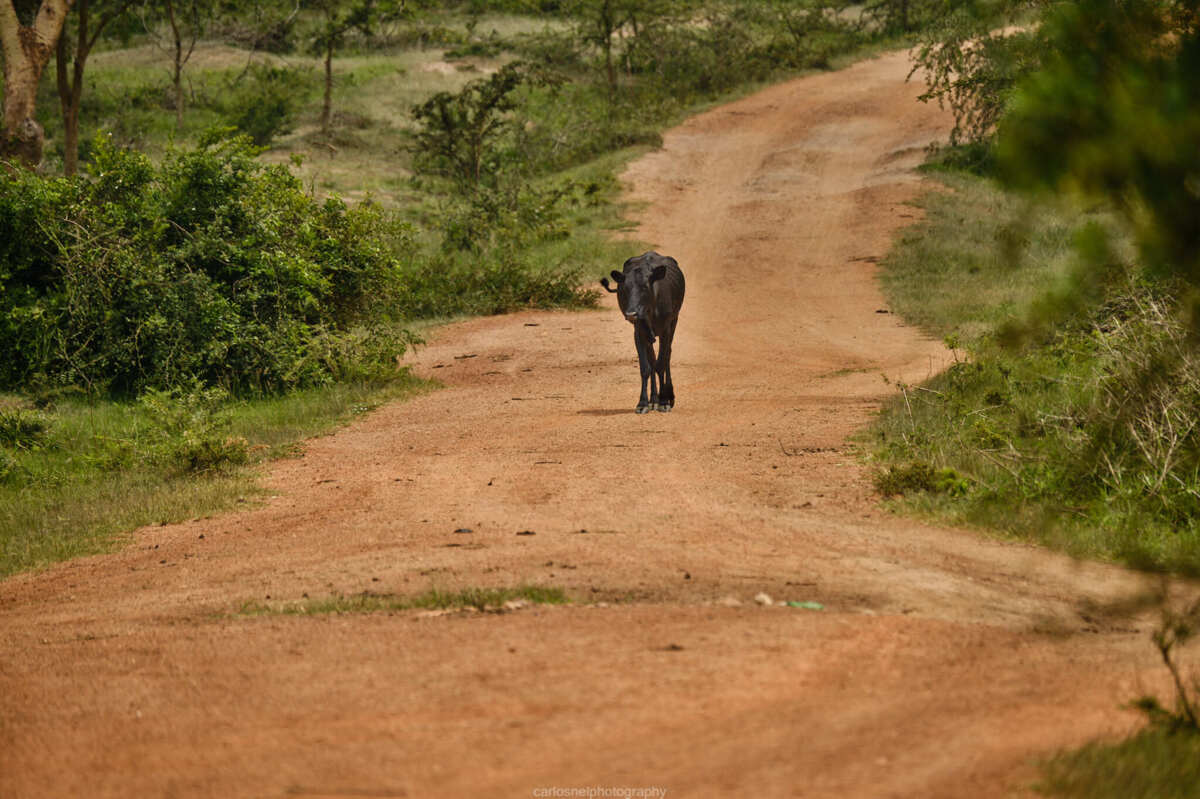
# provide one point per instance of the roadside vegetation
(223, 225)
(1060, 263)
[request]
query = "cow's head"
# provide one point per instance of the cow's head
(635, 294)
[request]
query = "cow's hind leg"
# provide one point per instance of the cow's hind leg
(666, 395)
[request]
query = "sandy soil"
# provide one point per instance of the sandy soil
(942, 665)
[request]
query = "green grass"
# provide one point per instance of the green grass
(1153, 764)
(98, 472)
(979, 258)
(481, 599)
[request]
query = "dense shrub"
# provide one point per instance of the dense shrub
(463, 135)
(210, 266)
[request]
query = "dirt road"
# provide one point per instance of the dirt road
(941, 665)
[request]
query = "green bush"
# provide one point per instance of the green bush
(575, 123)
(515, 215)
(919, 477)
(210, 267)
(461, 136)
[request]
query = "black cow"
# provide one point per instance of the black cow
(650, 293)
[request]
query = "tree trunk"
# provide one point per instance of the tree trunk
(27, 49)
(327, 108)
(608, 24)
(177, 75)
(70, 90)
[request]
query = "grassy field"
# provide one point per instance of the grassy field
(99, 469)
(374, 92)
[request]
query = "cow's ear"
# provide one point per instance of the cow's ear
(658, 274)
(617, 276)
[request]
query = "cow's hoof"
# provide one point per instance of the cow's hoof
(664, 408)
(643, 409)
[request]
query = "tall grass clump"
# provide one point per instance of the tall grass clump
(479, 599)
(1153, 764)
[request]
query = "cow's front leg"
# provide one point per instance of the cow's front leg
(646, 367)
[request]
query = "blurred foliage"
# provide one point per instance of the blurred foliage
(1071, 411)
(1114, 115)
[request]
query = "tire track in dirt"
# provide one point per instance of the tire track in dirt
(942, 664)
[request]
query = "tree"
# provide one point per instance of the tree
(603, 23)
(599, 22)
(972, 64)
(338, 19)
(28, 38)
(458, 132)
(70, 61)
(186, 20)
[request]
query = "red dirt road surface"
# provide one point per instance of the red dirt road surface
(942, 665)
